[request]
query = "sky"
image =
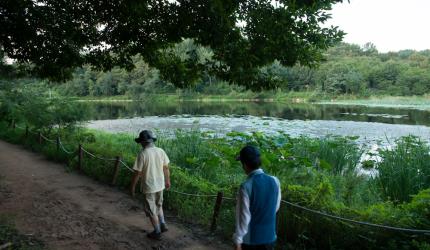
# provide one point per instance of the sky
(391, 25)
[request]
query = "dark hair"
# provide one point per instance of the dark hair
(250, 156)
(252, 164)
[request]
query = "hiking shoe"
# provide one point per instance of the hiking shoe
(154, 235)
(163, 227)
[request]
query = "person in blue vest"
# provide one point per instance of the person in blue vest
(258, 201)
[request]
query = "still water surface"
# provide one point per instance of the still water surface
(370, 123)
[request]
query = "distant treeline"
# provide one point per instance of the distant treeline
(347, 69)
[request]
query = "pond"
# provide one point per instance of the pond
(370, 123)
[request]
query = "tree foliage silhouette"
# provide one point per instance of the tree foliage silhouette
(56, 36)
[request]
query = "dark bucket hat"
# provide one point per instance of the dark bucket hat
(146, 136)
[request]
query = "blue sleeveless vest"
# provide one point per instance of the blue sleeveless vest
(263, 192)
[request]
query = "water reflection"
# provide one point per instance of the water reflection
(118, 110)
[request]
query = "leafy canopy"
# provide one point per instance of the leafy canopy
(56, 36)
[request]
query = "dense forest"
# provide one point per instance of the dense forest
(347, 69)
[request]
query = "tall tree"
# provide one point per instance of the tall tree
(56, 36)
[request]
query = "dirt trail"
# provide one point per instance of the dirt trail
(72, 211)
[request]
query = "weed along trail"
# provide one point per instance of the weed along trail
(71, 211)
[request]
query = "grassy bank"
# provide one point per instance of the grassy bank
(409, 102)
(413, 102)
(247, 96)
(320, 174)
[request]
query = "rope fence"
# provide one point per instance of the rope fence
(98, 157)
(194, 195)
(47, 139)
(19, 127)
(63, 148)
(31, 132)
(229, 199)
(406, 230)
(126, 166)
(219, 197)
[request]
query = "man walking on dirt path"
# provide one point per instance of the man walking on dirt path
(152, 165)
(258, 201)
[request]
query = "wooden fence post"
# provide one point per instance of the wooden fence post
(40, 137)
(80, 157)
(217, 208)
(116, 170)
(58, 143)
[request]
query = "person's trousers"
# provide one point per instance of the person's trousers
(270, 246)
(153, 203)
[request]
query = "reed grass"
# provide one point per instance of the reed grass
(404, 170)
